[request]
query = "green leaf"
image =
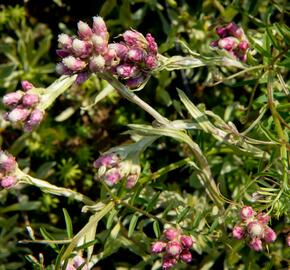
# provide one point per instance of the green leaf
(68, 223)
(43, 49)
(132, 225)
(6, 70)
(152, 202)
(107, 7)
(156, 228)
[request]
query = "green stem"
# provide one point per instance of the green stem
(131, 96)
(279, 130)
(52, 189)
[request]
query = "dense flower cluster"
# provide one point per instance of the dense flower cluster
(7, 169)
(232, 39)
(23, 107)
(174, 247)
(112, 168)
(77, 262)
(131, 59)
(254, 228)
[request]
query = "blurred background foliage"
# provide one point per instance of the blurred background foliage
(63, 148)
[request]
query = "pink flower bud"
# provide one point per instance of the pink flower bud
(34, 120)
(269, 234)
(61, 69)
(7, 162)
(30, 100)
(99, 27)
(131, 181)
(112, 177)
(238, 232)
(186, 256)
(214, 43)
(107, 160)
(171, 234)
(8, 181)
(111, 58)
(126, 71)
(18, 114)
(186, 241)
(65, 41)
(135, 55)
(100, 44)
(62, 53)
(288, 240)
(73, 63)
(228, 43)
(70, 267)
(120, 49)
(81, 48)
(84, 31)
(221, 31)
(152, 45)
(256, 244)
(255, 229)
(168, 263)
(135, 82)
(12, 99)
(263, 218)
(151, 62)
(173, 248)
(97, 63)
(234, 30)
(26, 85)
(134, 38)
(78, 261)
(243, 45)
(246, 212)
(158, 247)
(82, 77)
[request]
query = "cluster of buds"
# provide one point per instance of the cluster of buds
(112, 169)
(174, 247)
(131, 60)
(23, 107)
(77, 262)
(254, 228)
(232, 39)
(8, 166)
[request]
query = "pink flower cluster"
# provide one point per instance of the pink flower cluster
(111, 169)
(254, 228)
(131, 59)
(174, 247)
(232, 39)
(7, 169)
(77, 262)
(23, 107)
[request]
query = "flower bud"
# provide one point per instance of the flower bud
(70, 267)
(62, 53)
(263, 218)
(173, 248)
(12, 99)
(168, 263)
(134, 38)
(131, 180)
(112, 177)
(126, 71)
(228, 43)
(135, 82)
(97, 63)
(84, 31)
(238, 232)
(26, 85)
(111, 58)
(108, 160)
(151, 62)
(246, 212)
(255, 229)
(65, 41)
(99, 27)
(78, 261)
(73, 63)
(34, 120)
(269, 234)
(61, 69)
(8, 181)
(100, 44)
(152, 45)
(256, 244)
(221, 31)
(120, 49)
(186, 241)
(82, 77)
(18, 114)
(171, 234)
(30, 100)
(243, 45)
(234, 30)
(158, 247)
(7, 162)
(186, 256)
(214, 43)
(81, 48)
(135, 55)
(288, 240)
